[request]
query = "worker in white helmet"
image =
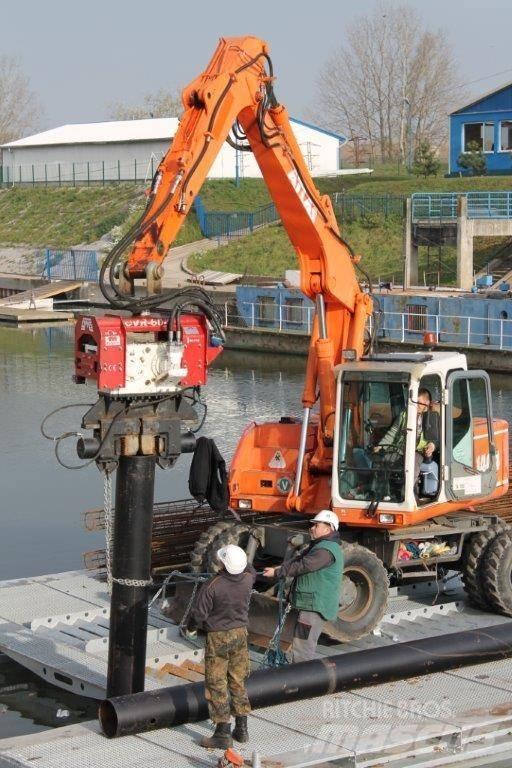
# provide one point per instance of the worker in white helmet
(222, 607)
(317, 571)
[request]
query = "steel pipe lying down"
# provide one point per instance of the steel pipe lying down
(181, 704)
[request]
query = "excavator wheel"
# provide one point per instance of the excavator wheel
(233, 533)
(473, 556)
(199, 558)
(364, 596)
(497, 574)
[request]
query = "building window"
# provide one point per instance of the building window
(481, 134)
(293, 311)
(416, 317)
(506, 135)
(266, 309)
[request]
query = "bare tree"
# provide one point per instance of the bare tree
(159, 104)
(392, 81)
(20, 110)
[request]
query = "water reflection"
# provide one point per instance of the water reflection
(42, 502)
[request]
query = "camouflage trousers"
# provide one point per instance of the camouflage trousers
(227, 667)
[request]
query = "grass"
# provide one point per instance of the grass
(67, 216)
(224, 195)
(267, 251)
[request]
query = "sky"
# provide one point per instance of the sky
(82, 56)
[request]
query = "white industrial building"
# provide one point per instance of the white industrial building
(129, 150)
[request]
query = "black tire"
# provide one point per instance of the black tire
(473, 556)
(234, 533)
(200, 554)
(497, 574)
(365, 593)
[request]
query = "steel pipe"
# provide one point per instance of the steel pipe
(131, 564)
(166, 707)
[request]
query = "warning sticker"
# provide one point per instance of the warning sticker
(277, 461)
(468, 485)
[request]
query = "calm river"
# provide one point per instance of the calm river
(42, 502)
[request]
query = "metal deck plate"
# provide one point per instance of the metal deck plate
(363, 727)
(470, 706)
(61, 629)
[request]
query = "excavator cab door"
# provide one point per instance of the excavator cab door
(470, 449)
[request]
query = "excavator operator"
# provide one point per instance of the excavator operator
(392, 445)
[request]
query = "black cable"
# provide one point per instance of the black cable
(111, 291)
(66, 435)
(56, 410)
(240, 147)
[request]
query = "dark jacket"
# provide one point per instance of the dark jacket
(309, 560)
(208, 477)
(223, 601)
(431, 429)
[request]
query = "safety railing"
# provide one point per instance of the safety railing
(85, 173)
(228, 224)
(280, 317)
(443, 205)
(489, 205)
(434, 205)
(455, 330)
(69, 265)
(469, 331)
(350, 207)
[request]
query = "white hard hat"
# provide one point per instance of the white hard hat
(326, 516)
(233, 558)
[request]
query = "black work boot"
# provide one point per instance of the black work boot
(220, 738)
(240, 732)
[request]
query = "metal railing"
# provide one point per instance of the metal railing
(461, 331)
(443, 205)
(265, 315)
(434, 205)
(489, 205)
(469, 331)
(350, 207)
(228, 224)
(69, 265)
(74, 174)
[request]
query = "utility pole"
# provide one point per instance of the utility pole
(358, 140)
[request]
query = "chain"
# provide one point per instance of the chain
(109, 539)
(107, 508)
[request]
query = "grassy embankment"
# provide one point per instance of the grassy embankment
(67, 216)
(378, 240)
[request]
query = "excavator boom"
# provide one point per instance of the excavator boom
(236, 89)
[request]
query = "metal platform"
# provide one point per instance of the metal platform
(58, 627)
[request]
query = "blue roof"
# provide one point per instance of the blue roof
(498, 98)
(338, 136)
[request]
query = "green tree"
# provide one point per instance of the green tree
(473, 159)
(425, 161)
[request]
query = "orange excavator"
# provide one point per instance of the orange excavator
(356, 448)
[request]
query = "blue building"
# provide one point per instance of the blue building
(488, 122)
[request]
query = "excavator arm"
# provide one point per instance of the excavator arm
(237, 89)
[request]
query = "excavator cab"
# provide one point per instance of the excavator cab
(390, 408)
